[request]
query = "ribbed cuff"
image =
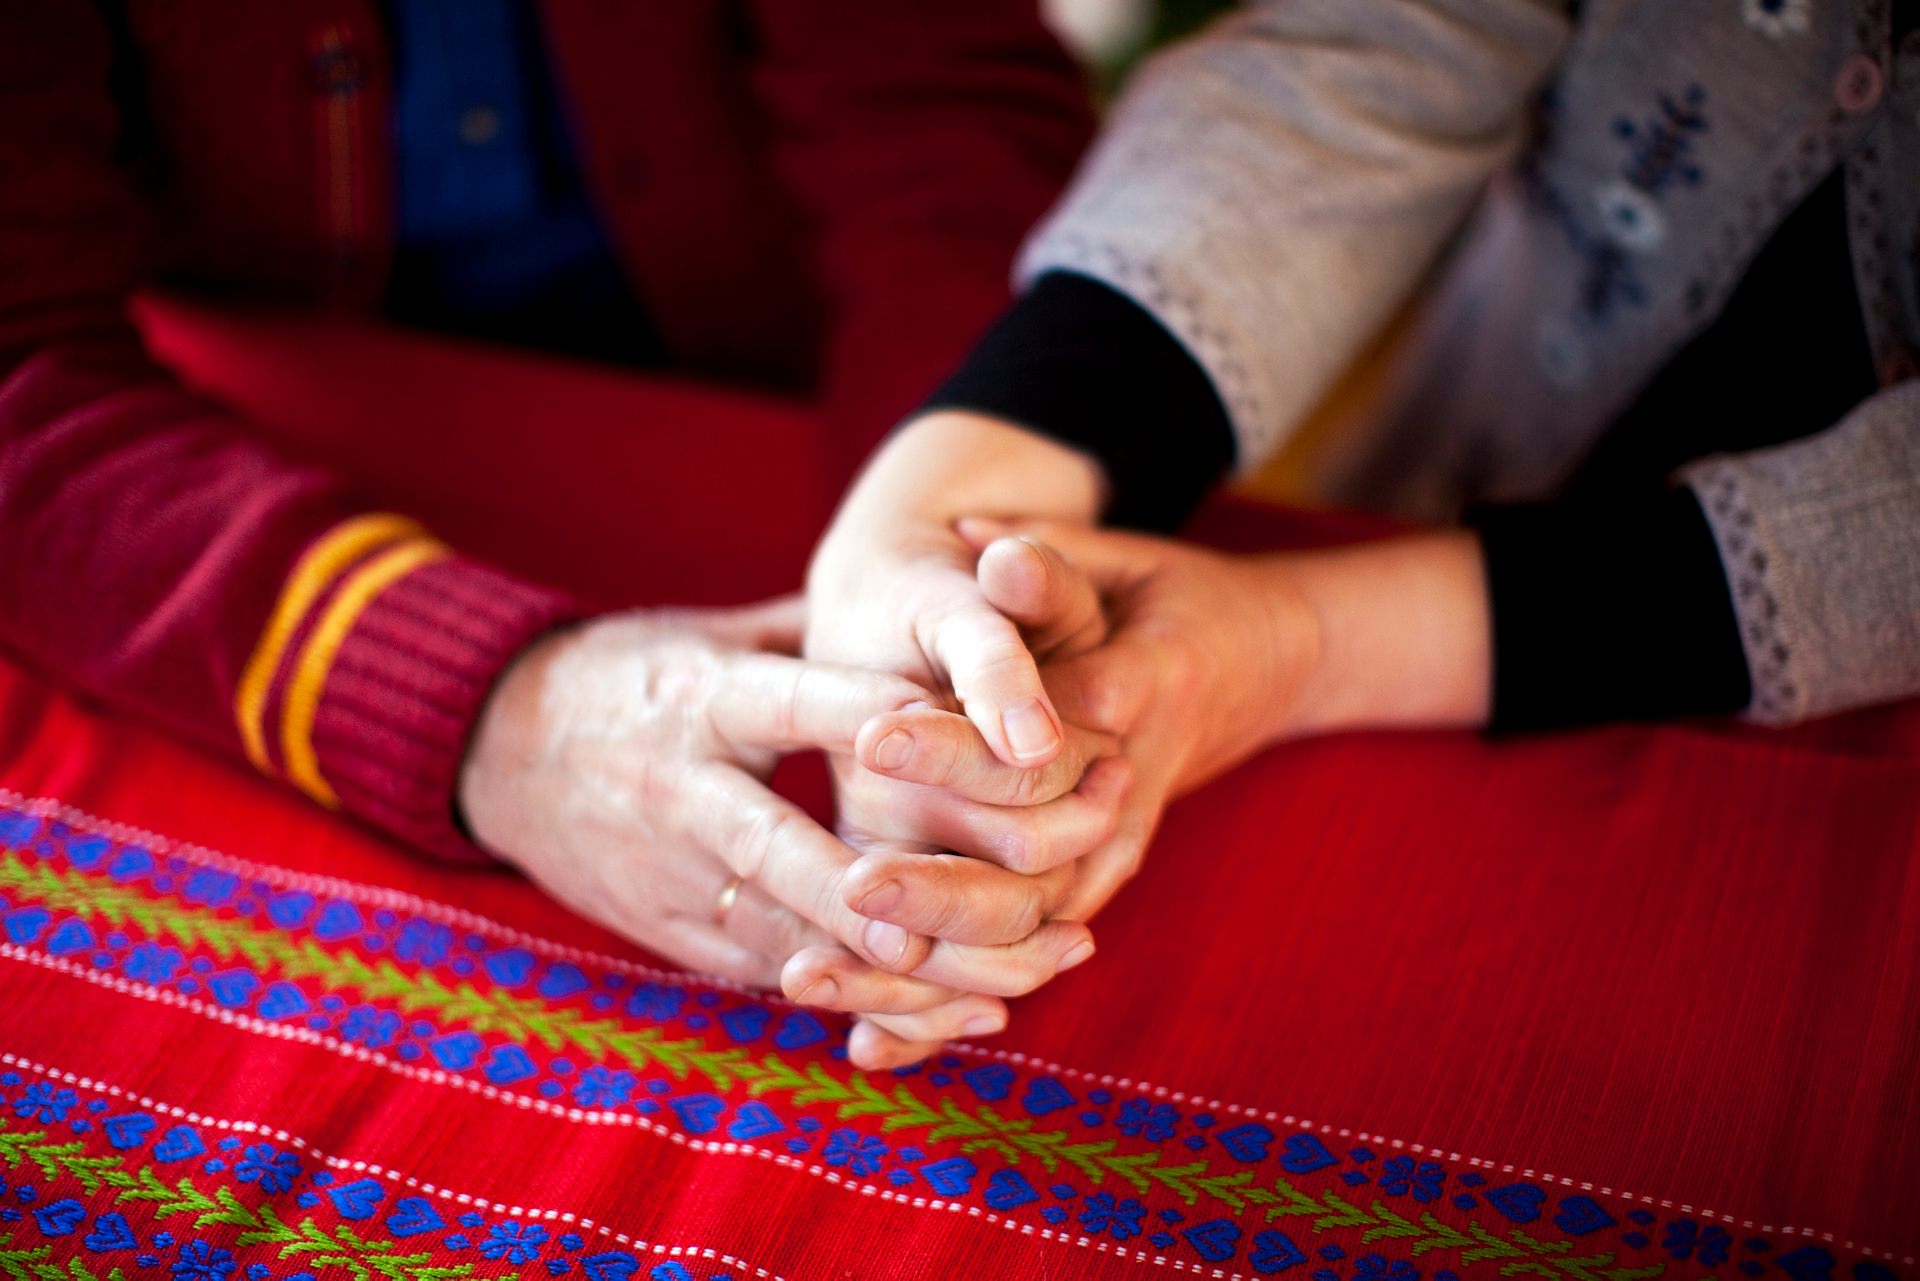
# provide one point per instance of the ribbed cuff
(407, 686)
(1082, 364)
(1609, 610)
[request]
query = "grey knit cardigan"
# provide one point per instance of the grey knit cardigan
(1577, 197)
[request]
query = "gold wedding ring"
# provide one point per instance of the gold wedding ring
(723, 905)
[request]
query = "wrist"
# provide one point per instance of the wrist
(505, 742)
(1404, 635)
(947, 464)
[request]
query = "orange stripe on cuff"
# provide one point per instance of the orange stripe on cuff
(312, 574)
(302, 702)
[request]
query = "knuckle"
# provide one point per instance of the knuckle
(1014, 849)
(1023, 977)
(1034, 851)
(767, 833)
(948, 914)
(1034, 786)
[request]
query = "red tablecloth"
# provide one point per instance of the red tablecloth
(1626, 1004)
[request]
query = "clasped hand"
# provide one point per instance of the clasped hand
(623, 766)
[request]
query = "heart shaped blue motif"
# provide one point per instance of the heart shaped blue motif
(1580, 1215)
(1008, 1188)
(282, 1000)
(1274, 1252)
(1303, 1154)
(1518, 1201)
(509, 1063)
(128, 1131)
(110, 1232)
(232, 989)
(746, 1022)
(616, 1265)
(563, 980)
(60, 1218)
(799, 1030)
(290, 911)
(71, 936)
(992, 1082)
(338, 919)
(357, 1200)
(1246, 1142)
(181, 1143)
(413, 1215)
(754, 1120)
(456, 1051)
(1044, 1095)
(85, 852)
(509, 966)
(1214, 1239)
(669, 1271)
(950, 1177)
(132, 864)
(700, 1113)
(1808, 1263)
(25, 923)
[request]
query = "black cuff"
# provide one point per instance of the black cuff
(1083, 364)
(1609, 610)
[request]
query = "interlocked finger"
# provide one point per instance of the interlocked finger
(939, 749)
(773, 843)
(789, 704)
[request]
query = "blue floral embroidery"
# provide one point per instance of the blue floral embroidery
(861, 1154)
(514, 1241)
(272, 1169)
(599, 1087)
(656, 1001)
(371, 1027)
(1401, 1176)
(1119, 1219)
(1685, 1238)
(1154, 1121)
(201, 1262)
(153, 963)
(427, 942)
(42, 1101)
(1374, 1267)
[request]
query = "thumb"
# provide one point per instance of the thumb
(1110, 561)
(1055, 603)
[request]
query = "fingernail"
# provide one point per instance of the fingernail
(821, 991)
(886, 942)
(881, 899)
(918, 705)
(1075, 955)
(983, 1025)
(1029, 730)
(894, 751)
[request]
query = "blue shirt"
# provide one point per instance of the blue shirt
(497, 236)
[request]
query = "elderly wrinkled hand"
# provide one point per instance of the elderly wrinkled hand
(623, 766)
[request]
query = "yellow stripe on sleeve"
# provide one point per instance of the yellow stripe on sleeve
(302, 702)
(312, 574)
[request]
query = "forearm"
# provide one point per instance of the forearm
(174, 567)
(1404, 638)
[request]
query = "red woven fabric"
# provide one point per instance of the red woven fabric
(1626, 1004)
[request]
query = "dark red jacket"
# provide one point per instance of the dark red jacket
(825, 196)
